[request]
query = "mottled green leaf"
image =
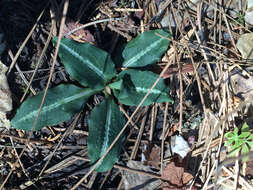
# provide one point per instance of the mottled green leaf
(60, 104)
(146, 49)
(86, 63)
(136, 84)
(105, 123)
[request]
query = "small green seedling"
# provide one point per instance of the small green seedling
(94, 69)
(239, 141)
(240, 18)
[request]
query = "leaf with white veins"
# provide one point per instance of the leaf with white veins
(86, 63)
(136, 84)
(60, 104)
(147, 48)
(105, 123)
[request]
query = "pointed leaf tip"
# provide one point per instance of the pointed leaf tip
(146, 49)
(60, 104)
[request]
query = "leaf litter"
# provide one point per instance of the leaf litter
(175, 175)
(206, 59)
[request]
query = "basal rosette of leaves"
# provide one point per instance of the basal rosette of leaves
(239, 141)
(94, 69)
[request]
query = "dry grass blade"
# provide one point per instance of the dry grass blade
(39, 60)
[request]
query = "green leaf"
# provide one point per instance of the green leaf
(136, 85)
(229, 135)
(245, 127)
(60, 104)
(146, 49)
(236, 131)
(250, 143)
(116, 85)
(234, 152)
(237, 144)
(250, 137)
(105, 123)
(86, 63)
(244, 135)
(228, 142)
(245, 150)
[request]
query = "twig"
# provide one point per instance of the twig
(93, 23)
(39, 60)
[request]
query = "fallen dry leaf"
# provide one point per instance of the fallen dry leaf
(173, 129)
(80, 35)
(175, 177)
(152, 155)
(5, 97)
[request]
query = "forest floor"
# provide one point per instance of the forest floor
(168, 146)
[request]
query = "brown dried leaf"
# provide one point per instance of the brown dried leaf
(175, 177)
(187, 177)
(154, 156)
(173, 129)
(80, 35)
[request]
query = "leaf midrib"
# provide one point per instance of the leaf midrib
(88, 63)
(107, 130)
(153, 91)
(59, 103)
(142, 53)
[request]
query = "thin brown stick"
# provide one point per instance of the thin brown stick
(39, 60)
